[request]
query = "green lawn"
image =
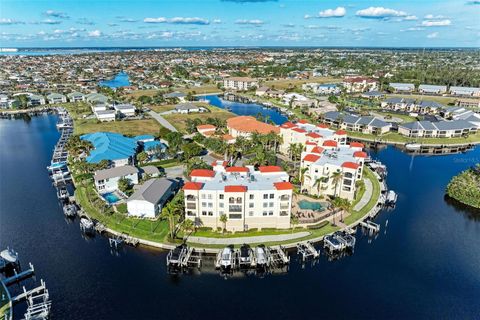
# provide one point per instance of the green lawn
(126, 127)
(140, 228)
(251, 233)
(4, 304)
(355, 215)
(179, 120)
(395, 137)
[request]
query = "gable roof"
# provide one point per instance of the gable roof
(152, 190)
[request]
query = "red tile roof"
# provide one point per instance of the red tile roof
(206, 127)
(235, 189)
(356, 145)
(193, 186)
(303, 121)
(314, 135)
(310, 143)
(283, 186)
(288, 125)
(299, 130)
(250, 124)
(341, 132)
(360, 154)
(330, 143)
(311, 157)
(267, 169)
(236, 169)
(202, 173)
(318, 150)
(322, 125)
(350, 165)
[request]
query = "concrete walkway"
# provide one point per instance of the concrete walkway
(255, 239)
(162, 121)
(366, 196)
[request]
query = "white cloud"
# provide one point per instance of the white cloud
(94, 33)
(49, 21)
(253, 21)
(216, 21)
(436, 23)
(178, 20)
(332, 13)
(9, 21)
(380, 12)
(431, 17)
(432, 35)
(410, 18)
(56, 14)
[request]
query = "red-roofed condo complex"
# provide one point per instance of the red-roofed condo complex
(249, 198)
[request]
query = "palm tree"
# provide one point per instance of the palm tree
(170, 212)
(187, 225)
(224, 219)
(345, 205)
(318, 183)
(336, 178)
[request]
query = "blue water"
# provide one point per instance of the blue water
(111, 197)
(120, 80)
(247, 109)
(423, 265)
(308, 205)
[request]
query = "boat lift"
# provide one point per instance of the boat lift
(307, 250)
(370, 226)
(278, 256)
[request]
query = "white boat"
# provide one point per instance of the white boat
(62, 193)
(391, 198)
(261, 256)
(226, 259)
(245, 258)
(413, 146)
(86, 225)
(70, 210)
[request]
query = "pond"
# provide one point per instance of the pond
(120, 80)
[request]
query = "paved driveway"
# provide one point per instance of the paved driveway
(162, 121)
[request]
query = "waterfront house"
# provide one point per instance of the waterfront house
(432, 89)
(6, 103)
(402, 87)
(261, 91)
(429, 107)
(106, 180)
(465, 91)
(148, 200)
(149, 171)
(53, 98)
(366, 124)
(189, 108)
(76, 96)
(468, 103)
(298, 100)
(440, 129)
(35, 100)
(239, 83)
(125, 109)
(117, 149)
(175, 95)
(332, 169)
(249, 198)
(246, 125)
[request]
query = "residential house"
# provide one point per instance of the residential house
(246, 125)
(402, 87)
(148, 200)
(106, 180)
(53, 98)
(432, 89)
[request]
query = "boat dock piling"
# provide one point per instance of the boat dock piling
(307, 250)
(192, 258)
(370, 226)
(278, 256)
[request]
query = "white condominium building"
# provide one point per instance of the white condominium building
(308, 134)
(240, 83)
(332, 169)
(249, 198)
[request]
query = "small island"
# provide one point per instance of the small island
(465, 187)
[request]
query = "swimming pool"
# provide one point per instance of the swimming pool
(308, 205)
(111, 197)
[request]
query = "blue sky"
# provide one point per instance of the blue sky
(407, 23)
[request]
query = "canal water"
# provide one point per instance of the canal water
(424, 264)
(247, 109)
(120, 80)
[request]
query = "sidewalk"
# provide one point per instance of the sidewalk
(162, 121)
(255, 239)
(366, 196)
